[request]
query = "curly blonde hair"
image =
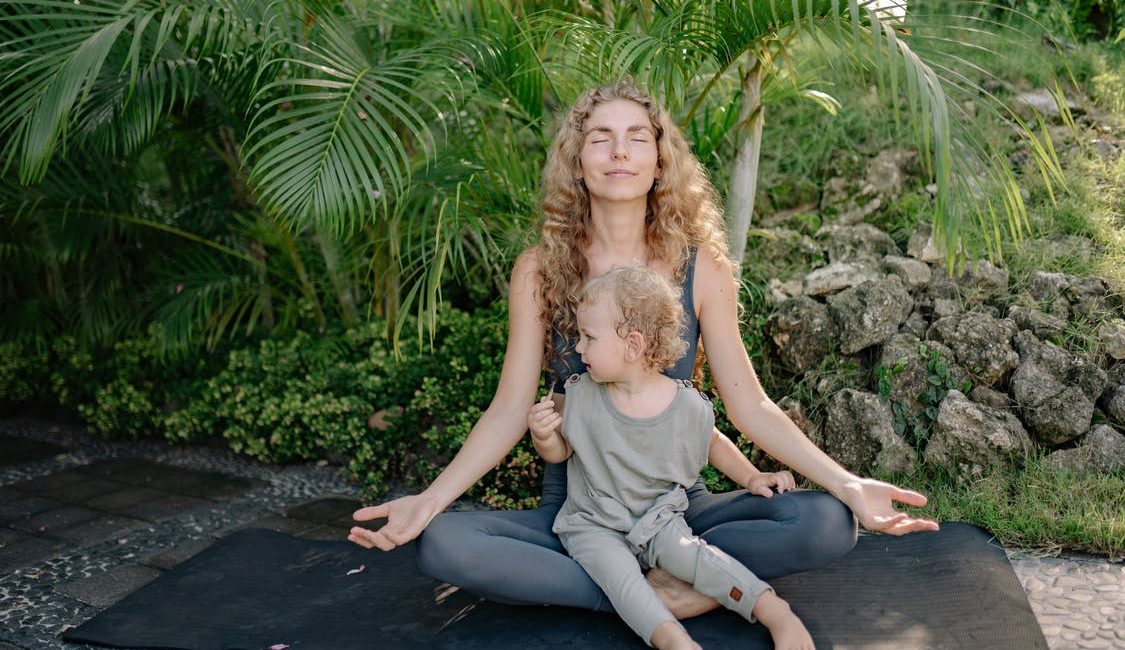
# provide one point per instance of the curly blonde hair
(682, 209)
(645, 303)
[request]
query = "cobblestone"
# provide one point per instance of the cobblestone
(1079, 600)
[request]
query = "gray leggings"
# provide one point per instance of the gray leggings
(511, 556)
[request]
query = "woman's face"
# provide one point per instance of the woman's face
(619, 158)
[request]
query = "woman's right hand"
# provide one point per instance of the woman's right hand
(406, 518)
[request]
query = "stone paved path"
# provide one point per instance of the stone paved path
(84, 522)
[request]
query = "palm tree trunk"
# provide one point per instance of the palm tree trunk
(744, 174)
(330, 250)
(258, 252)
(307, 288)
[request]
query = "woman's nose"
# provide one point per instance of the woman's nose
(620, 150)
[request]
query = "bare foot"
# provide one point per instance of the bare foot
(787, 630)
(670, 635)
(678, 596)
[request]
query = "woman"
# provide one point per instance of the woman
(621, 187)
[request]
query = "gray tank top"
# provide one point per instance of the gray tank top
(567, 362)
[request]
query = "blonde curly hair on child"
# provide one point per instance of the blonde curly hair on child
(646, 303)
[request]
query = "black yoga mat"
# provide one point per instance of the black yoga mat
(255, 589)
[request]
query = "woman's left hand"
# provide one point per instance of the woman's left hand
(873, 503)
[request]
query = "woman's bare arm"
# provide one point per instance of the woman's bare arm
(497, 431)
(758, 418)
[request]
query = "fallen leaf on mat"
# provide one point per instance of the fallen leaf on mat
(361, 569)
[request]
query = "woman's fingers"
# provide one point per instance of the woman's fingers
(372, 512)
(909, 497)
(370, 539)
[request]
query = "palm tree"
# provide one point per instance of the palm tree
(697, 54)
(316, 156)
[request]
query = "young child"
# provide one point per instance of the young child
(635, 441)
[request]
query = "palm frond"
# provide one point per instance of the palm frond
(113, 69)
(343, 131)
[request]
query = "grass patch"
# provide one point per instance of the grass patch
(1035, 507)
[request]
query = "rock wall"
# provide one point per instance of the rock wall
(966, 373)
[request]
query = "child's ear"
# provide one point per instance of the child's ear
(635, 345)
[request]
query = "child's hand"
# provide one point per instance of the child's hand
(762, 483)
(543, 419)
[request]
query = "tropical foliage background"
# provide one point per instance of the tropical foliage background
(288, 222)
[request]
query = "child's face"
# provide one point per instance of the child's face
(601, 347)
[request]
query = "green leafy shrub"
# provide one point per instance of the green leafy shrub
(456, 382)
(23, 375)
(287, 399)
(128, 389)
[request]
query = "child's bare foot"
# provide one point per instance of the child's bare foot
(787, 630)
(670, 635)
(678, 596)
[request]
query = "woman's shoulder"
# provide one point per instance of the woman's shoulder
(714, 271)
(525, 272)
(529, 259)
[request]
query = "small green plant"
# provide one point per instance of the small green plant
(23, 374)
(916, 428)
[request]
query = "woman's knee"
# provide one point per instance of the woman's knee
(829, 526)
(441, 547)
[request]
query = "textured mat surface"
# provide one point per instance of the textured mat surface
(254, 589)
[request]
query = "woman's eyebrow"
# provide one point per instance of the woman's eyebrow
(632, 129)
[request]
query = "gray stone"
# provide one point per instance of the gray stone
(178, 553)
(981, 344)
(855, 213)
(942, 284)
(165, 507)
(859, 243)
(921, 245)
(837, 277)
(782, 291)
(1112, 334)
(51, 521)
(1054, 389)
(793, 408)
(836, 190)
(971, 438)
(915, 274)
(27, 552)
(99, 529)
(105, 589)
(986, 280)
(327, 510)
(991, 398)
(1044, 285)
(1112, 403)
(1039, 102)
(1101, 450)
(870, 313)
(784, 246)
(915, 325)
(943, 307)
(1070, 247)
(910, 357)
(22, 507)
(1042, 324)
(859, 435)
(803, 332)
(888, 171)
(1088, 296)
